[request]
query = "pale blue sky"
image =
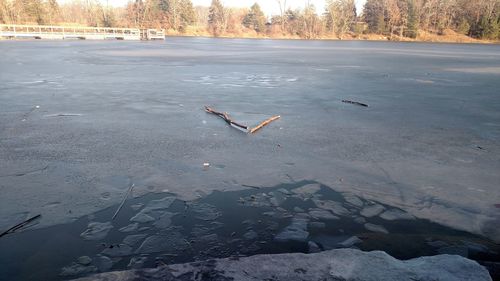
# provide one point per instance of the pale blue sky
(270, 7)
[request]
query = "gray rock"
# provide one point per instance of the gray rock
(376, 228)
(372, 210)
(96, 230)
(338, 264)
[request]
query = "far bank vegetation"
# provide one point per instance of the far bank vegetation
(451, 20)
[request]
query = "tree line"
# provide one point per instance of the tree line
(391, 18)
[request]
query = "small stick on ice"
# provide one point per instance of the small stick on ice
(19, 225)
(123, 201)
(264, 123)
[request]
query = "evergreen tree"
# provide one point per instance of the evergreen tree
(374, 16)
(255, 19)
(413, 20)
(463, 27)
(216, 18)
(188, 16)
(490, 28)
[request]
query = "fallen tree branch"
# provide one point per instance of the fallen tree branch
(20, 174)
(264, 123)
(19, 225)
(355, 102)
(225, 117)
(123, 201)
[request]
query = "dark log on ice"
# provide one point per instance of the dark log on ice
(355, 102)
(226, 118)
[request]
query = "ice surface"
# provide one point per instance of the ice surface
(333, 206)
(313, 247)
(84, 260)
(137, 262)
(307, 190)
(354, 200)
(317, 224)
(160, 204)
(104, 263)
(395, 214)
(164, 220)
(130, 228)
(375, 228)
(322, 214)
(164, 242)
(297, 230)
(351, 241)
(372, 210)
(204, 211)
(76, 269)
(414, 148)
(132, 240)
(117, 250)
(96, 230)
(142, 217)
(250, 235)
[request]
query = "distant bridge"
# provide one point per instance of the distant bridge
(84, 33)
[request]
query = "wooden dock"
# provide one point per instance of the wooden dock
(84, 33)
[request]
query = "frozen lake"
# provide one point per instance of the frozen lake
(81, 121)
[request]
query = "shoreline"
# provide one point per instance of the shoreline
(477, 42)
(426, 37)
